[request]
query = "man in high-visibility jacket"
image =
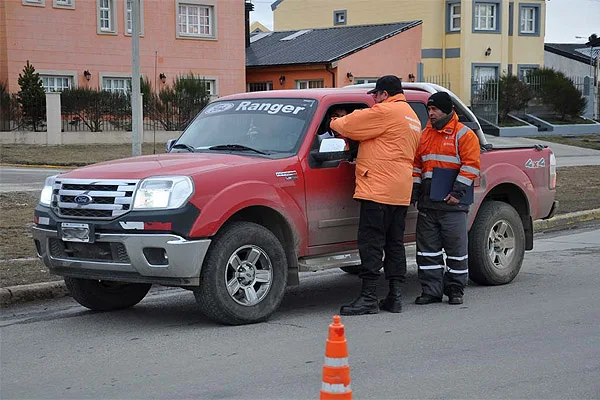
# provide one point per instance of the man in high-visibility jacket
(442, 225)
(389, 134)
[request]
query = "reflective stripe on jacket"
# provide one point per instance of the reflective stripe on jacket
(455, 146)
(389, 135)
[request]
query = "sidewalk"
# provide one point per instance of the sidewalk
(48, 290)
(566, 156)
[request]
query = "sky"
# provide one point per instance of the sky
(565, 19)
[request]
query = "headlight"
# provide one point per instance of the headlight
(46, 196)
(166, 192)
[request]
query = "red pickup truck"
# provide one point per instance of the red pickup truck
(248, 196)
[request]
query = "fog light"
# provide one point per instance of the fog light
(156, 256)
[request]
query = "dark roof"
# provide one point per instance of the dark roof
(318, 46)
(574, 51)
(275, 4)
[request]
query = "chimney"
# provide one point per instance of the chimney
(249, 7)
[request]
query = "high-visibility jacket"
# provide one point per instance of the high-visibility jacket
(389, 134)
(455, 146)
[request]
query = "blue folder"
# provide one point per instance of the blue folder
(442, 184)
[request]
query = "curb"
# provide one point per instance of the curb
(35, 291)
(41, 166)
(566, 220)
(49, 290)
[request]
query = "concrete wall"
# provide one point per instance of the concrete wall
(566, 65)
(44, 138)
(67, 41)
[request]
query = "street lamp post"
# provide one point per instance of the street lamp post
(136, 104)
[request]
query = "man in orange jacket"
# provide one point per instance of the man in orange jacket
(389, 134)
(442, 225)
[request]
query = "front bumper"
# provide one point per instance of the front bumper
(124, 257)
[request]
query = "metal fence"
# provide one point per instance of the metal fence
(484, 100)
(29, 115)
(442, 80)
(102, 113)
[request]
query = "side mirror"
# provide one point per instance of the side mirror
(331, 149)
(170, 144)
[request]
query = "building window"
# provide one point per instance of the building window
(358, 81)
(195, 20)
(524, 72)
(260, 86)
(116, 85)
(339, 17)
(106, 16)
(64, 4)
(56, 83)
(529, 19)
(454, 15)
(129, 16)
(486, 17)
(483, 74)
(37, 3)
(309, 84)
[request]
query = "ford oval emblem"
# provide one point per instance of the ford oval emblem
(83, 199)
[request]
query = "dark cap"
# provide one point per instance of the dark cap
(390, 83)
(441, 100)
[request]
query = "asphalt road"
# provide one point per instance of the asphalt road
(538, 337)
(15, 179)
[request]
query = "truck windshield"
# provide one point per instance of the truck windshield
(252, 126)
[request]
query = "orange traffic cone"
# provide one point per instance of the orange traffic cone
(336, 370)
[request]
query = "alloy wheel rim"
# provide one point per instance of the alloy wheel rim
(501, 244)
(249, 275)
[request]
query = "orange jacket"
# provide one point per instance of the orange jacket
(455, 146)
(389, 135)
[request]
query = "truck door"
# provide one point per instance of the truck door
(331, 211)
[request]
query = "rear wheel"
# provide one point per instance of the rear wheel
(244, 276)
(106, 295)
(496, 244)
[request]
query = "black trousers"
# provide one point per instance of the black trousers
(381, 228)
(439, 232)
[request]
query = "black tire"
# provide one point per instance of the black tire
(495, 224)
(106, 295)
(352, 270)
(242, 239)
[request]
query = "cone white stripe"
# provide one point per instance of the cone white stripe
(335, 387)
(458, 258)
(336, 362)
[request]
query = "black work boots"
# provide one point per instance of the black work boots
(366, 303)
(393, 301)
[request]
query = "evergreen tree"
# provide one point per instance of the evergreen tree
(32, 98)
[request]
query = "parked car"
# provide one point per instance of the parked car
(247, 197)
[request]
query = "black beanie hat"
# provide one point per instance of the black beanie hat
(442, 101)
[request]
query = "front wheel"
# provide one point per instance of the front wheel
(101, 295)
(496, 244)
(244, 276)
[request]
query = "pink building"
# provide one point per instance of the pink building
(88, 42)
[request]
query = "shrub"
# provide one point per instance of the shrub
(513, 95)
(92, 107)
(176, 105)
(32, 98)
(558, 91)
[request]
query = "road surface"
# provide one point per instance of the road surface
(538, 337)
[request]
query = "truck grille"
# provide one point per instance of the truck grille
(91, 199)
(102, 251)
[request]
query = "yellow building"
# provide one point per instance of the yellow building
(464, 41)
